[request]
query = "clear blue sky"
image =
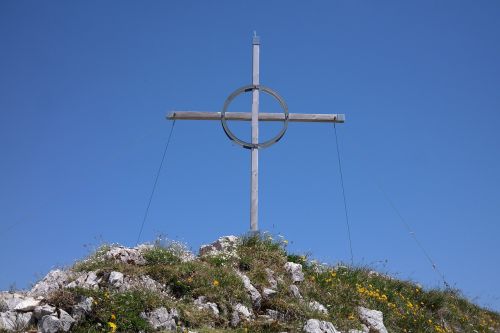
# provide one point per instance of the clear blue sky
(85, 86)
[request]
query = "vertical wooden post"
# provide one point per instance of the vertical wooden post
(254, 195)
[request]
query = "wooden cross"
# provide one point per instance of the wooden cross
(255, 117)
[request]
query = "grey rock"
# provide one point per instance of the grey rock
(235, 319)
(295, 291)
(43, 310)
(127, 255)
(115, 279)
(316, 306)
(50, 324)
(224, 245)
(140, 283)
(295, 271)
(66, 320)
(54, 280)
(240, 312)
(85, 280)
(9, 301)
(270, 279)
(91, 281)
(373, 319)
(202, 304)
(319, 326)
(13, 321)
(160, 318)
(27, 305)
(252, 291)
(83, 308)
(268, 293)
(273, 314)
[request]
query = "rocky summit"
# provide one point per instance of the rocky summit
(235, 284)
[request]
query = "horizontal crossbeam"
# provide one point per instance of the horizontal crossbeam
(247, 116)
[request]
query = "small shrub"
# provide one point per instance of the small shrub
(63, 298)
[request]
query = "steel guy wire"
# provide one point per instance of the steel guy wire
(155, 182)
(343, 194)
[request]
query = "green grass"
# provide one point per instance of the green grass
(406, 306)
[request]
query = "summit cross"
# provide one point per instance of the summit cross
(255, 88)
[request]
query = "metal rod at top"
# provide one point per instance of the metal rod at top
(256, 39)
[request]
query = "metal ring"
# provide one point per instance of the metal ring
(249, 145)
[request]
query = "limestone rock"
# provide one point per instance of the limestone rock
(127, 255)
(223, 245)
(140, 282)
(27, 305)
(66, 320)
(9, 300)
(15, 321)
(50, 324)
(88, 280)
(295, 271)
(319, 326)
(273, 314)
(316, 306)
(240, 312)
(115, 279)
(161, 318)
(268, 293)
(373, 319)
(202, 304)
(54, 280)
(270, 279)
(43, 310)
(295, 291)
(83, 308)
(252, 291)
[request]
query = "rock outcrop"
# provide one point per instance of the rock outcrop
(161, 318)
(295, 271)
(373, 319)
(225, 245)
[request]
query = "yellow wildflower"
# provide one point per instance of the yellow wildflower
(112, 327)
(113, 317)
(215, 283)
